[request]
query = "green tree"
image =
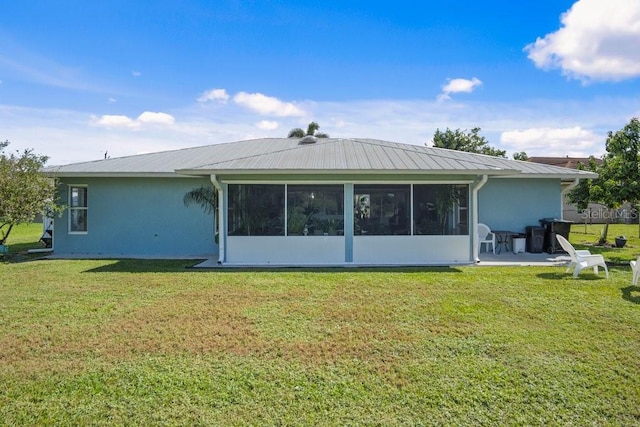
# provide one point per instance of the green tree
(619, 174)
(470, 142)
(520, 156)
(24, 191)
(619, 180)
(312, 130)
(580, 195)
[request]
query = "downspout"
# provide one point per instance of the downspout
(474, 235)
(564, 193)
(220, 219)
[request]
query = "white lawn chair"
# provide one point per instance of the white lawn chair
(486, 237)
(581, 259)
(635, 267)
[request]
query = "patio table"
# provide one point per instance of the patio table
(503, 239)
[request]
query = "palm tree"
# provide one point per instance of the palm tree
(311, 131)
(207, 199)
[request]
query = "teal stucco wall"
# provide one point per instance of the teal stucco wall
(146, 217)
(137, 217)
(513, 204)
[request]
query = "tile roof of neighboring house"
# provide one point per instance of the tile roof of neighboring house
(327, 155)
(565, 162)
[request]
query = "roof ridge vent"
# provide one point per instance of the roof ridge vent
(308, 139)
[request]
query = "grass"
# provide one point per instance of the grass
(115, 342)
(586, 237)
(22, 238)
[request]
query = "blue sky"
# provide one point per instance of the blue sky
(550, 77)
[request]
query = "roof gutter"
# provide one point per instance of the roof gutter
(219, 218)
(474, 235)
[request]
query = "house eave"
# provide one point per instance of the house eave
(54, 174)
(186, 173)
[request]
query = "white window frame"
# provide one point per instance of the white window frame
(85, 208)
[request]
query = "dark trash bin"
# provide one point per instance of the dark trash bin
(552, 227)
(535, 239)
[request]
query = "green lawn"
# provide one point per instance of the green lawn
(22, 238)
(129, 342)
(586, 239)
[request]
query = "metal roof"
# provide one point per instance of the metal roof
(327, 155)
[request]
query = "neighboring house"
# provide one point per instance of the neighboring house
(563, 162)
(595, 213)
(285, 201)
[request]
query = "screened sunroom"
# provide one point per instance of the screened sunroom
(363, 223)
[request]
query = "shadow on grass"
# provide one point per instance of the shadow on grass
(14, 257)
(143, 266)
(173, 266)
(562, 275)
(628, 294)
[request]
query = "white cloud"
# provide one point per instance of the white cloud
(111, 100)
(598, 40)
(135, 73)
(267, 105)
(541, 127)
(125, 122)
(219, 95)
(156, 118)
(267, 125)
(573, 141)
(114, 121)
(458, 86)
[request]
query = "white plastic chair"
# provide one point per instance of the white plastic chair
(486, 237)
(635, 267)
(582, 258)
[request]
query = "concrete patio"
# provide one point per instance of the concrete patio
(523, 259)
(506, 258)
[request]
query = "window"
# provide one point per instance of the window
(315, 210)
(441, 209)
(77, 209)
(256, 210)
(382, 209)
